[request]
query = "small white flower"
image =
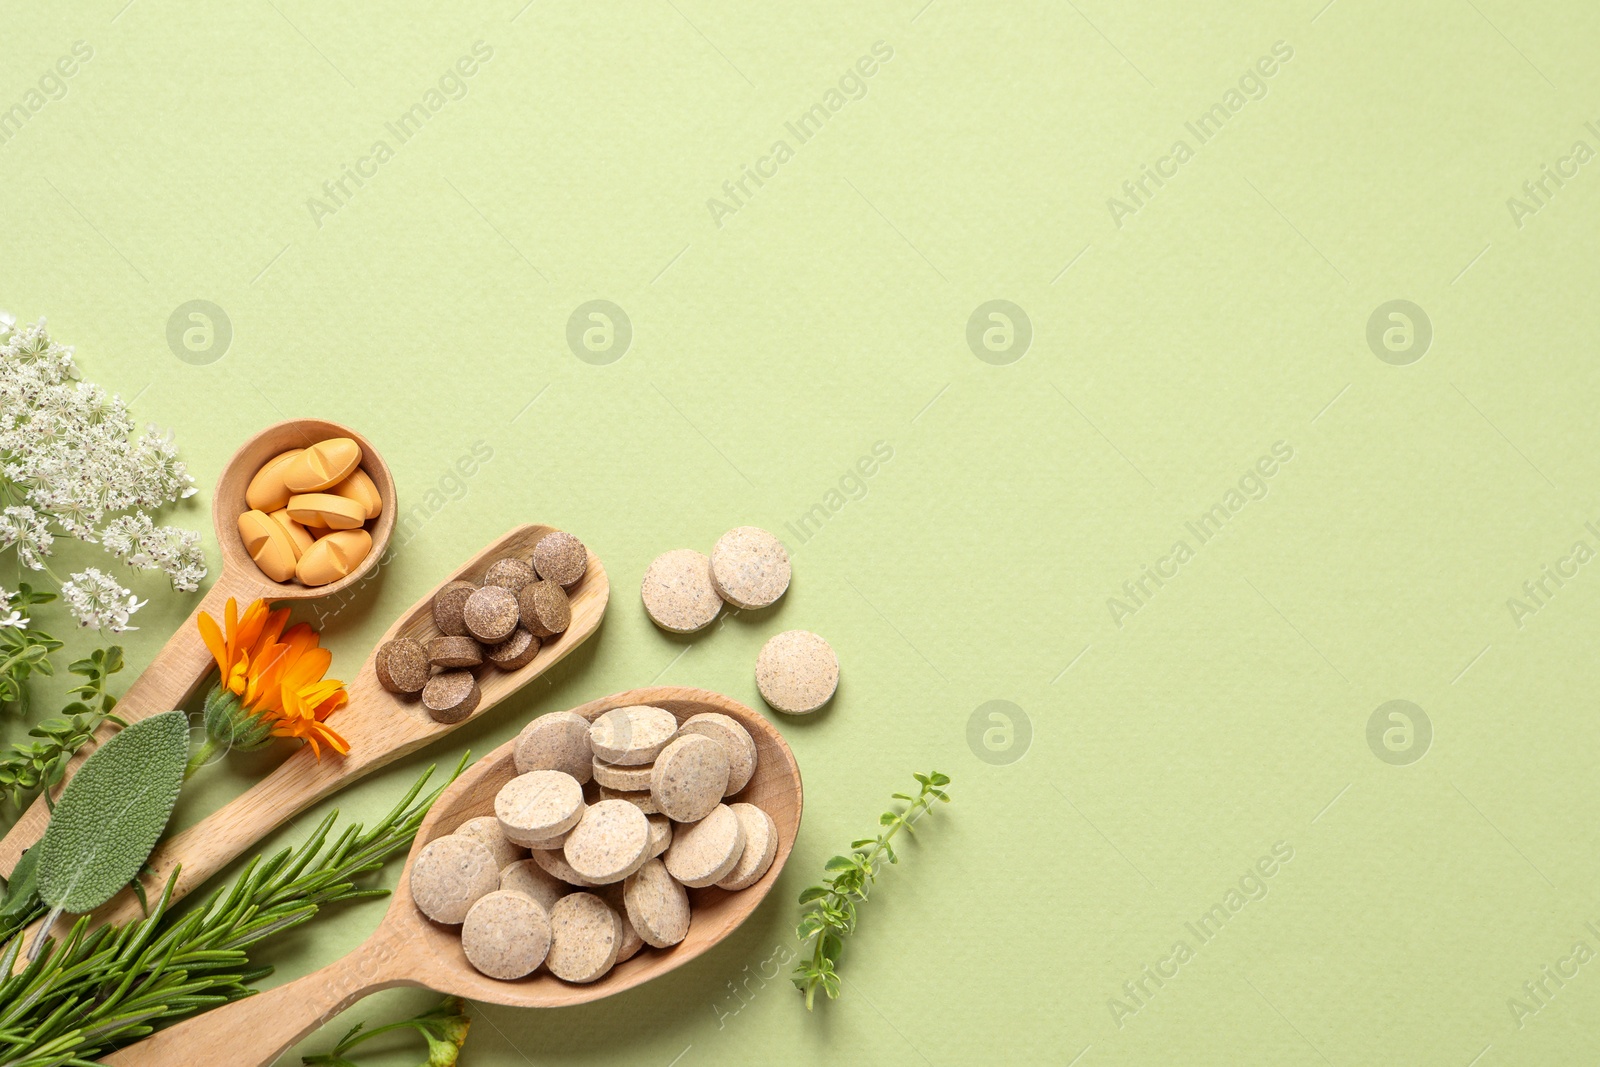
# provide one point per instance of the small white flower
(95, 599)
(10, 616)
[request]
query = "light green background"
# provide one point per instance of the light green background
(1229, 312)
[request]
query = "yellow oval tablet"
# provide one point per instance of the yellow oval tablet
(361, 488)
(322, 466)
(266, 491)
(333, 557)
(297, 533)
(269, 545)
(326, 510)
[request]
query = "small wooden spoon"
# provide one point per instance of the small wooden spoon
(409, 950)
(184, 661)
(381, 727)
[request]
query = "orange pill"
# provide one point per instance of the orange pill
(322, 466)
(333, 557)
(360, 488)
(269, 545)
(266, 491)
(327, 511)
(297, 533)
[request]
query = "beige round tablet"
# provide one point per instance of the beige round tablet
(515, 651)
(615, 776)
(760, 848)
(530, 879)
(561, 558)
(703, 853)
(641, 799)
(609, 842)
(553, 863)
(631, 941)
(545, 609)
(549, 844)
(632, 735)
(690, 778)
(585, 935)
(451, 874)
(506, 935)
(538, 805)
(451, 696)
(401, 665)
(677, 591)
(447, 607)
(660, 835)
(657, 905)
(749, 567)
(486, 828)
(734, 739)
(797, 672)
(491, 613)
(558, 741)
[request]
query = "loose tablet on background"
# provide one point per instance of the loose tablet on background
(678, 592)
(797, 672)
(749, 567)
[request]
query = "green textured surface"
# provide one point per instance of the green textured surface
(112, 813)
(1226, 717)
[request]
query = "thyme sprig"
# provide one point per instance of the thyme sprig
(89, 992)
(25, 769)
(444, 1027)
(832, 905)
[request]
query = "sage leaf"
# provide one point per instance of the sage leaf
(112, 813)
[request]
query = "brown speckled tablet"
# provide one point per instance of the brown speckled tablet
(677, 591)
(703, 853)
(515, 651)
(641, 800)
(450, 696)
(734, 739)
(401, 665)
(616, 776)
(486, 829)
(538, 805)
(509, 573)
(561, 558)
(749, 567)
(451, 874)
(447, 605)
(657, 905)
(660, 835)
(545, 609)
(447, 651)
(631, 941)
(632, 735)
(609, 842)
(797, 672)
(530, 879)
(506, 935)
(585, 937)
(690, 778)
(553, 863)
(558, 741)
(490, 613)
(760, 848)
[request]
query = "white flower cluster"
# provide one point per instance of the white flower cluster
(73, 463)
(11, 616)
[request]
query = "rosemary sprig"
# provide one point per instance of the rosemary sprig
(832, 914)
(92, 991)
(42, 764)
(444, 1027)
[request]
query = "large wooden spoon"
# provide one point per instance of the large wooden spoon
(407, 949)
(184, 661)
(379, 725)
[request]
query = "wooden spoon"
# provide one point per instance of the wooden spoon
(184, 661)
(407, 949)
(379, 725)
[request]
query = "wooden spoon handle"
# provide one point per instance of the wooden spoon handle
(253, 1032)
(175, 673)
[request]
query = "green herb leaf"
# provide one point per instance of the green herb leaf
(112, 813)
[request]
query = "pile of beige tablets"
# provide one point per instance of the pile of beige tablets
(593, 845)
(308, 510)
(502, 621)
(684, 590)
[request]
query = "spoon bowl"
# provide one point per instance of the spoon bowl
(184, 661)
(408, 949)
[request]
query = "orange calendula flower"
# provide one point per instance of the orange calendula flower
(271, 683)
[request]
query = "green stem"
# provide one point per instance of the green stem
(207, 749)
